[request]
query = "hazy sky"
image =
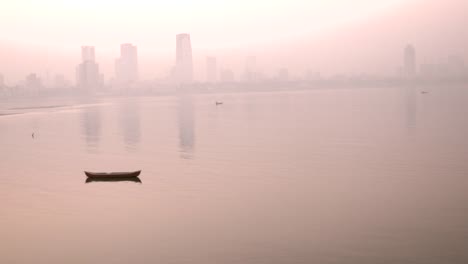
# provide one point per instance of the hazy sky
(105, 23)
(47, 35)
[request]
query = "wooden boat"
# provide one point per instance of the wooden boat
(127, 179)
(112, 175)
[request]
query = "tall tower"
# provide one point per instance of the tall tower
(211, 69)
(250, 69)
(184, 64)
(87, 53)
(409, 60)
(126, 67)
(87, 72)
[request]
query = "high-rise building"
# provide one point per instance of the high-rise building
(2, 81)
(227, 75)
(126, 66)
(409, 60)
(33, 83)
(211, 69)
(455, 66)
(283, 75)
(184, 64)
(87, 72)
(87, 53)
(60, 81)
(250, 69)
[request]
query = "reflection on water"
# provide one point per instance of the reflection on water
(129, 179)
(411, 107)
(186, 122)
(91, 127)
(326, 176)
(130, 123)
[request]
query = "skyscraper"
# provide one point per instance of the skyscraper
(184, 64)
(283, 75)
(126, 67)
(250, 69)
(409, 60)
(211, 69)
(227, 75)
(87, 72)
(2, 81)
(87, 53)
(32, 82)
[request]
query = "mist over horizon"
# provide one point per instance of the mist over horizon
(369, 42)
(234, 132)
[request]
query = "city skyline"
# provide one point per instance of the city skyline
(88, 76)
(373, 37)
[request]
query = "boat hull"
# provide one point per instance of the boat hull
(112, 175)
(128, 179)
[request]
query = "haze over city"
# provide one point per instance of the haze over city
(233, 132)
(321, 36)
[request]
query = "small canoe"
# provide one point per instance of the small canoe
(127, 179)
(112, 175)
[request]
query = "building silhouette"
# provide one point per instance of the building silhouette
(33, 83)
(126, 66)
(87, 72)
(227, 75)
(184, 65)
(283, 75)
(409, 61)
(211, 69)
(451, 68)
(60, 81)
(250, 73)
(87, 53)
(2, 81)
(456, 66)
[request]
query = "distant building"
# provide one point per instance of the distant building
(2, 81)
(33, 83)
(227, 75)
(456, 66)
(409, 61)
(184, 64)
(126, 66)
(87, 72)
(283, 75)
(312, 76)
(211, 69)
(87, 53)
(250, 73)
(60, 81)
(451, 68)
(430, 71)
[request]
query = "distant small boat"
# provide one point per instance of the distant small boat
(424, 92)
(219, 103)
(112, 175)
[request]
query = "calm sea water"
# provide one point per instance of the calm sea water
(326, 176)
